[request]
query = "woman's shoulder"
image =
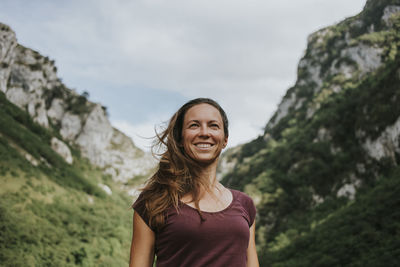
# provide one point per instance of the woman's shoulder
(246, 203)
(240, 195)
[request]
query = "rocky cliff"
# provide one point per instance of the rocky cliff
(333, 137)
(30, 81)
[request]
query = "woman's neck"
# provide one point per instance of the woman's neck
(209, 173)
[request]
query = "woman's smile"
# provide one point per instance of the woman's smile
(204, 145)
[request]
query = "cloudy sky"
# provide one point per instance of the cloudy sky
(144, 59)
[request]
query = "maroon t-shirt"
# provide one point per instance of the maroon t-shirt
(218, 241)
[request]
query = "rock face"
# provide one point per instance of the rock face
(29, 80)
(388, 12)
(62, 149)
(8, 44)
(355, 61)
(386, 145)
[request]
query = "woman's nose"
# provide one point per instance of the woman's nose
(204, 131)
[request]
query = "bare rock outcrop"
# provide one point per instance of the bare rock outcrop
(386, 145)
(62, 149)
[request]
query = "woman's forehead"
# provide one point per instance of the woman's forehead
(203, 112)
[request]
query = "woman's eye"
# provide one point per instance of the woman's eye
(193, 125)
(216, 126)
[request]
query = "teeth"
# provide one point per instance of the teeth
(203, 145)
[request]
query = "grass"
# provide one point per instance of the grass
(55, 214)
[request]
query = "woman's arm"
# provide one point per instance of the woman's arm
(142, 247)
(252, 259)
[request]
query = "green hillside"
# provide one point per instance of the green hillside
(55, 214)
(365, 232)
(323, 198)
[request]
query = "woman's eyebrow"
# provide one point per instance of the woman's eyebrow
(197, 121)
(214, 121)
(193, 121)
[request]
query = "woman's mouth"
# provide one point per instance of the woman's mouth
(203, 145)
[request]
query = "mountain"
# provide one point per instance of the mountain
(325, 175)
(30, 81)
(65, 172)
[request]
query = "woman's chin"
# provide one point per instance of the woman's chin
(206, 160)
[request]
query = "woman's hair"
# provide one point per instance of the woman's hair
(177, 173)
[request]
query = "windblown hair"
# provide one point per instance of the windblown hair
(177, 173)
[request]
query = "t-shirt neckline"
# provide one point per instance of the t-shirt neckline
(214, 212)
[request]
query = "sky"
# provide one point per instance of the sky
(144, 59)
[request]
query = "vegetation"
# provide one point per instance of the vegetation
(14, 123)
(54, 214)
(365, 232)
(76, 104)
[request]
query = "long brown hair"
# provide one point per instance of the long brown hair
(177, 173)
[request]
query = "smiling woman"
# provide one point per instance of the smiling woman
(203, 134)
(184, 216)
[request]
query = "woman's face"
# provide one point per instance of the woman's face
(203, 134)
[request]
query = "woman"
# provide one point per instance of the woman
(184, 216)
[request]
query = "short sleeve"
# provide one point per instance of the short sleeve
(249, 207)
(140, 207)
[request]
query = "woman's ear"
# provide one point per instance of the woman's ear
(225, 142)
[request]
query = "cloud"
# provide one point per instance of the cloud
(181, 44)
(243, 53)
